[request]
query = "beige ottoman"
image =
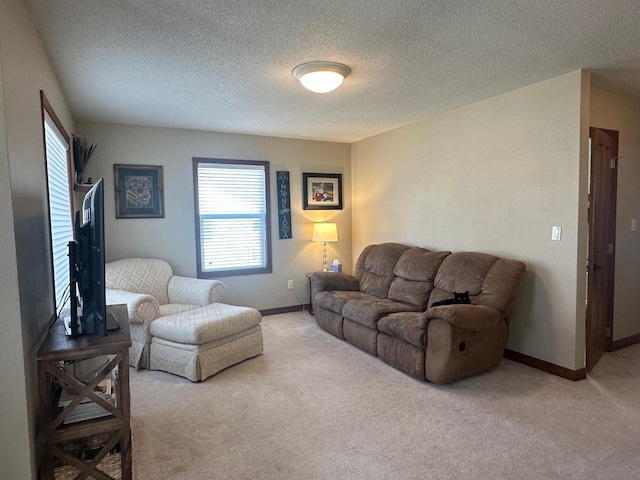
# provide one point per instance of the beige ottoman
(199, 343)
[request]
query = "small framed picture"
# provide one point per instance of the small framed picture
(138, 191)
(322, 191)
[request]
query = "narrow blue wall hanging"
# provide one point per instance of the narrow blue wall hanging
(284, 205)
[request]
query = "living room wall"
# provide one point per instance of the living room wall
(173, 237)
(617, 112)
(25, 269)
(493, 177)
(14, 436)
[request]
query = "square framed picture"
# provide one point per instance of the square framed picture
(322, 191)
(138, 191)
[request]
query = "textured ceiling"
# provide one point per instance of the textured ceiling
(226, 65)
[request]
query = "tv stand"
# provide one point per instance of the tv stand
(55, 428)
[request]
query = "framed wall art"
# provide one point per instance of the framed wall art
(138, 191)
(322, 191)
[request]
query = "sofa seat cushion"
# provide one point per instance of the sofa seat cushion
(408, 326)
(205, 324)
(335, 301)
(368, 311)
(173, 308)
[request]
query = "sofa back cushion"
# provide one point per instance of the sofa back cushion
(140, 275)
(414, 276)
(375, 266)
(490, 280)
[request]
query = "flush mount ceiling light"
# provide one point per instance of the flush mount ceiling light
(321, 77)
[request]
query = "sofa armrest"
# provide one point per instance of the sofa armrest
(324, 281)
(142, 308)
(195, 291)
(474, 318)
(321, 281)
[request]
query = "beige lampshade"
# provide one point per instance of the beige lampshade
(324, 232)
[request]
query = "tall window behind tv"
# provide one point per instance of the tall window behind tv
(58, 168)
(87, 258)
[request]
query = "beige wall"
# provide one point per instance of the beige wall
(494, 177)
(14, 434)
(27, 302)
(616, 112)
(173, 237)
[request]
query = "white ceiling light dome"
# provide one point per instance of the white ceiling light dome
(321, 77)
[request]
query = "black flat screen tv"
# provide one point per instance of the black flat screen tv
(86, 262)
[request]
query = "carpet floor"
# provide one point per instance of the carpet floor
(315, 407)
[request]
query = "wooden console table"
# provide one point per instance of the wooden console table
(58, 350)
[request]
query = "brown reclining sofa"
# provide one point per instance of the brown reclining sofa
(386, 309)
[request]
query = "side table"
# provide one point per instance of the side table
(115, 422)
(310, 298)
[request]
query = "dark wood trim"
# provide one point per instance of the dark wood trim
(292, 308)
(44, 102)
(546, 366)
(625, 342)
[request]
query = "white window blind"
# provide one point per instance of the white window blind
(232, 208)
(60, 209)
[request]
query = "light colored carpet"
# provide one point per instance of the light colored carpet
(315, 407)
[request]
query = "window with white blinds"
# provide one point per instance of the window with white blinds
(60, 207)
(232, 217)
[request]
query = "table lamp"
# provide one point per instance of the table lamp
(324, 232)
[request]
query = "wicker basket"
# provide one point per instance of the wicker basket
(110, 465)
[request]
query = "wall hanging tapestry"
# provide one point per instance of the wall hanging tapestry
(284, 206)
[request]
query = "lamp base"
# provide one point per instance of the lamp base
(324, 258)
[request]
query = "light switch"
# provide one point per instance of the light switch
(634, 225)
(556, 233)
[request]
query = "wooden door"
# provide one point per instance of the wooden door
(602, 231)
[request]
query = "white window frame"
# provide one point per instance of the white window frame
(245, 247)
(60, 200)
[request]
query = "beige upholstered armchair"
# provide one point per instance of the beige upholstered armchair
(150, 290)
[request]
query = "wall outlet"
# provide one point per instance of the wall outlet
(289, 284)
